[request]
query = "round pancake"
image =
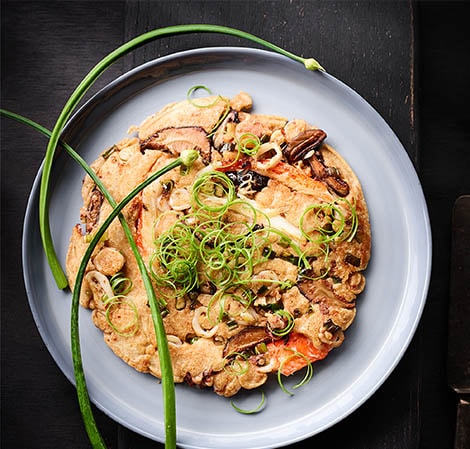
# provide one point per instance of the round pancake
(257, 251)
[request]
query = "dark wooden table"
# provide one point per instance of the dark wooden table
(406, 59)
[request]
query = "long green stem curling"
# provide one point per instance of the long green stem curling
(44, 225)
(163, 350)
(187, 158)
(87, 82)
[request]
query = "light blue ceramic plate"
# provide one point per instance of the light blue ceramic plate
(397, 278)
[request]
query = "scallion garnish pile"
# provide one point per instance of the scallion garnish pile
(228, 250)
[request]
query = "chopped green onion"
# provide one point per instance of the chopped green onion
(130, 328)
(285, 315)
(307, 376)
(213, 192)
(120, 284)
(109, 152)
(232, 324)
(253, 410)
(218, 297)
(221, 119)
(261, 348)
(180, 303)
(329, 222)
(354, 221)
(198, 105)
(167, 186)
(238, 363)
(249, 144)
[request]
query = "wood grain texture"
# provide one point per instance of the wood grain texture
(47, 48)
(445, 175)
(368, 45)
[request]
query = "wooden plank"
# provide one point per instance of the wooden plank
(444, 173)
(369, 46)
(47, 48)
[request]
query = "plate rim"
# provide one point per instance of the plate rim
(29, 216)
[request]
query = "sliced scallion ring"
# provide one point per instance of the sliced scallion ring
(238, 363)
(289, 319)
(251, 411)
(128, 329)
(192, 90)
(249, 144)
(307, 376)
(120, 284)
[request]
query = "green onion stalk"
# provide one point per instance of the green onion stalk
(87, 82)
(186, 159)
(44, 225)
(162, 343)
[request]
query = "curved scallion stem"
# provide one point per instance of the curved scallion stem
(128, 329)
(165, 360)
(120, 284)
(253, 410)
(163, 350)
(289, 325)
(307, 376)
(189, 96)
(87, 82)
(44, 224)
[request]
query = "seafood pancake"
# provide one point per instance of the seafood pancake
(256, 252)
